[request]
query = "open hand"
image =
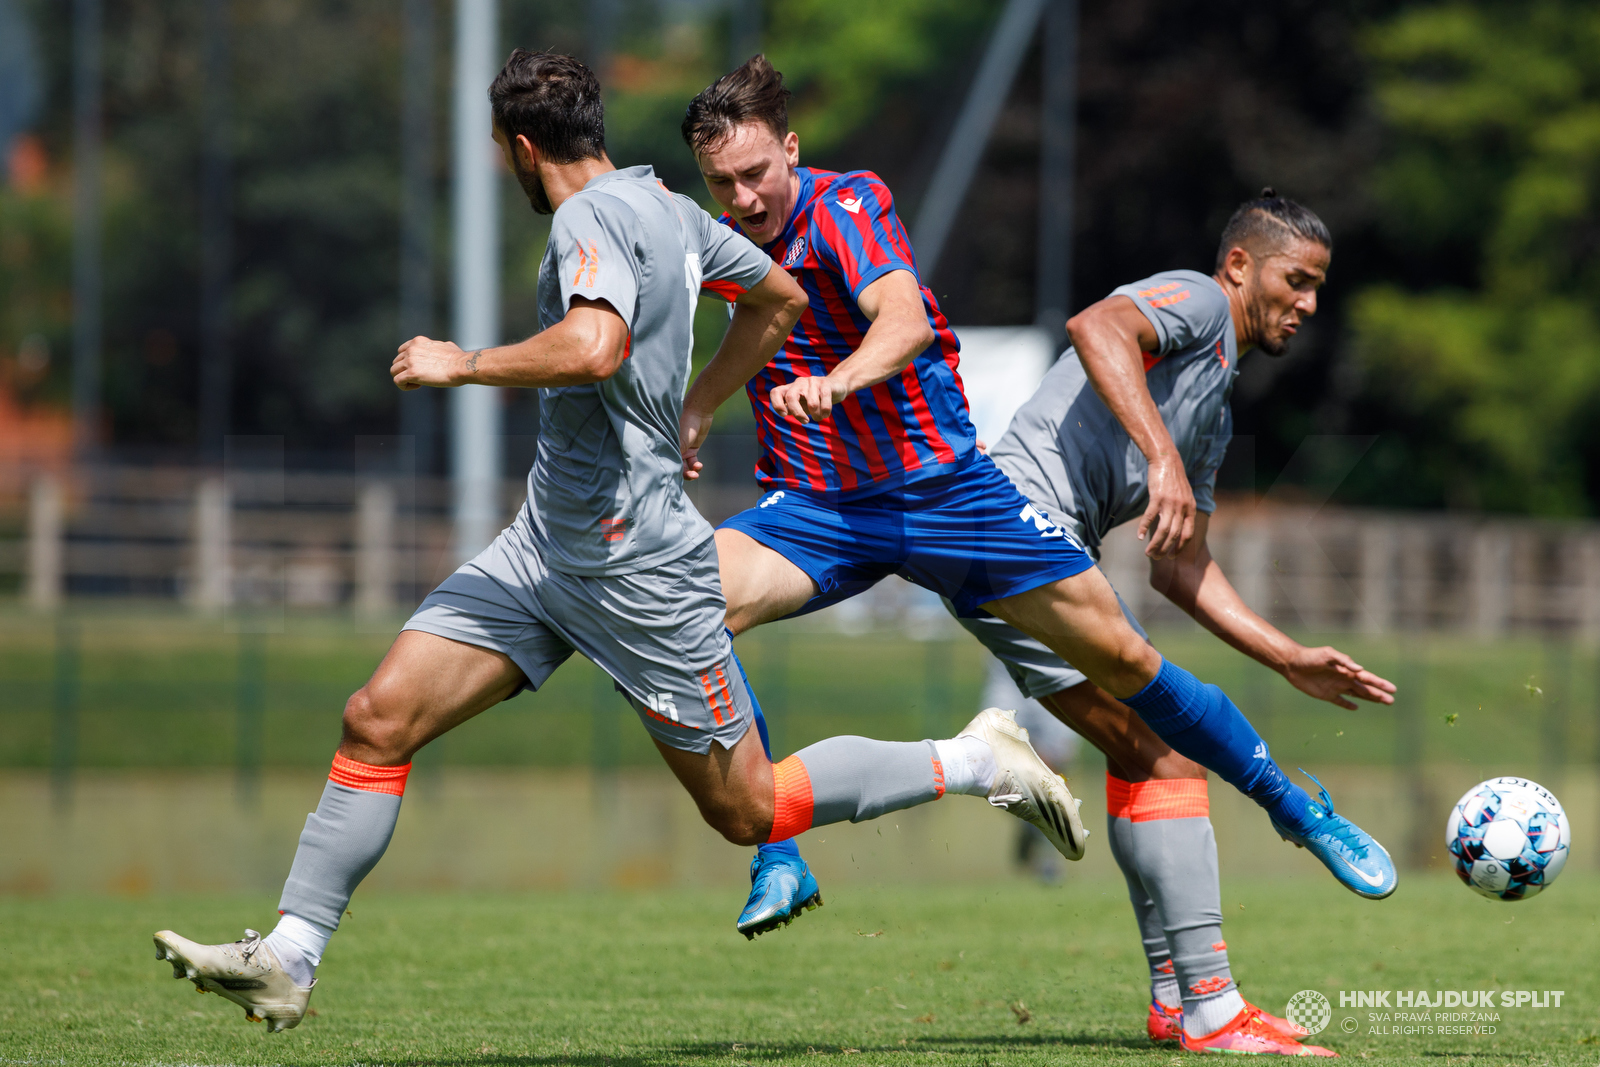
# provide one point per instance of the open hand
(423, 361)
(1328, 674)
(1169, 520)
(805, 399)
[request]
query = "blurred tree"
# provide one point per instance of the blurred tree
(1489, 198)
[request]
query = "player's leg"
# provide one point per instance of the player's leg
(425, 686)
(758, 583)
(1081, 620)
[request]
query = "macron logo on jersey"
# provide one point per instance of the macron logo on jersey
(851, 204)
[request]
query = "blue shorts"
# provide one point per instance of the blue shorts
(970, 536)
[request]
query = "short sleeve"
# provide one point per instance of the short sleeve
(858, 232)
(730, 263)
(594, 256)
(1185, 307)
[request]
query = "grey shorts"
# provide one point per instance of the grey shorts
(658, 633)
(1036, 670)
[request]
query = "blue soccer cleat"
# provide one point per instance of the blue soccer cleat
(1356, 859)
(781, 888)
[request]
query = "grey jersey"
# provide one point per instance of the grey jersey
(1065, 449)
(606, 489)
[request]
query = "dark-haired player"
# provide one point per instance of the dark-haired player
(871, 469)
(608, 557)
(1132, 422)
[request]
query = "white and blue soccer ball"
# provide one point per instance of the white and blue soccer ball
(1508, 838)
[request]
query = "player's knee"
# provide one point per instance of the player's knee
(367, 725)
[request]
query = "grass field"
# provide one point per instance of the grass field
(892, 977)
(162, 689)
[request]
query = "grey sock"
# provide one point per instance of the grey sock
(343, 840)
(857, 778)
(1176, 861)
(1163, 981)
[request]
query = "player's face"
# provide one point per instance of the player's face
(1281, 293)
(527, 174)
(751, 174)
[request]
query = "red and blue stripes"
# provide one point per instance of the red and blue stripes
(844, 235)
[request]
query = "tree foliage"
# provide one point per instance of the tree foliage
(1493, 158)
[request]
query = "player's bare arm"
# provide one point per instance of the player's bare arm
(1111, 338)
(762, 318)
(899, 331)
(588, 345)
(1194, 581)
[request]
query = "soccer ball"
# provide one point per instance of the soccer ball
(1508, 837)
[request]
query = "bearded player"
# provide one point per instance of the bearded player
(871, 469)
(1134, 419)
(607, 557)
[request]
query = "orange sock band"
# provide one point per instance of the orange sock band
(791, 799)
(366, 777)
(1169, 798)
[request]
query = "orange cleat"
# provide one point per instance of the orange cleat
(1249, 1034)
(1284, 1027)
(1163, 1023)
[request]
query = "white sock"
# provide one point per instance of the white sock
(968, 765)
(1207, 1015)
(1164, 991)
(299, 943)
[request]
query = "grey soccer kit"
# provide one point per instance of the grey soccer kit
(1068, 454)
(608, 557)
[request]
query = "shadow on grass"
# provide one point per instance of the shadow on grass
(739, 1053)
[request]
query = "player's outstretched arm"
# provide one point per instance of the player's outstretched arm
(762, 318)
(1111, 338)
(588, 345)
(1194, 581)
(898, 334)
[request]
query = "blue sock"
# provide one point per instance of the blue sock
(788, 847)
(1199, 721)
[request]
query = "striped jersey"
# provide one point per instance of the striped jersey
(842, 236)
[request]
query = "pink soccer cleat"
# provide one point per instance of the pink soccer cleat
(1248, 1034)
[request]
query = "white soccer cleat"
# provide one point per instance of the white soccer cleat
(246, 972)
(1025, 785)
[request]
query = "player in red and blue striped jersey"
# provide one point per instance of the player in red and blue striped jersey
(872, 469)
(844, 243)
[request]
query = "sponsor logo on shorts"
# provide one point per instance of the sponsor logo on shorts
(771, 500)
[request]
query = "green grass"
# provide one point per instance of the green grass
(162, 688)
(661, 978)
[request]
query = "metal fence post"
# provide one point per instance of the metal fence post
(64, 714)
(375, 562)
(211, 585)
(45, 549)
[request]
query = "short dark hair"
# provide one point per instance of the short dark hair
(753, 93)
(1263, 225)
(553, 101)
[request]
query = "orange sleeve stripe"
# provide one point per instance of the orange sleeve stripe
(367, 778)
(791, 799)
(1172, 798)
(729, 291)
